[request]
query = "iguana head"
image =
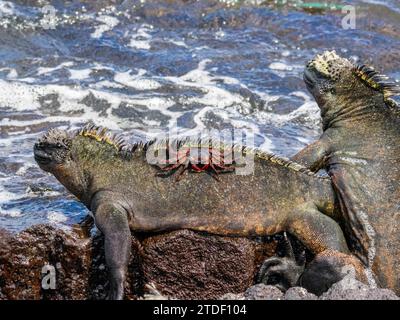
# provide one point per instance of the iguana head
(52, 149)
(340, 87)
(53, 153)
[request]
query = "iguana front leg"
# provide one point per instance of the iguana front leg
(112, 221)
(314, 155)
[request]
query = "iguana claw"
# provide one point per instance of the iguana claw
(282, 272)
(153, 293)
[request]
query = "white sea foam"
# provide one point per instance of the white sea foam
(12, 74)
(56, 217)
(140, 44)
(15, 95)
(79, 74)
(280, 66)
(47, 70)
(24, 96)
(105, 84)
(303, 140)
(142, 38)
(7, 8)
(308, 111)
(137, 81)
(25, 167)
(6, 196)
(178, 43)
(12, 213)
(214, 95)
(108, 23)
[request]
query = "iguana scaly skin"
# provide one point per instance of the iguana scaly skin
(360, 148)
(126, 193)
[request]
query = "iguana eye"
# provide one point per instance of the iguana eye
(58, 145)
(332, 91)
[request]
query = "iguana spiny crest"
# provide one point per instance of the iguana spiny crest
(58, 147)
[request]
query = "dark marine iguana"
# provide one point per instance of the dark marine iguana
(125, 193)
(360, 148)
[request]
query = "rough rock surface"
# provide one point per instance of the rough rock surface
(347, 289)
(203, 266)
(299, 293)
(232, 296)
(263, 292)
(319, 268)
(350, 289)
(180, 264)
(74, 257)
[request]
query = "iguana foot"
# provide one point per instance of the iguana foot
(116, 291)
(282, 272)
(329, 267)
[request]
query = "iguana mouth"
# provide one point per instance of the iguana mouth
(308, 78)
(52, 148)
(41, 156)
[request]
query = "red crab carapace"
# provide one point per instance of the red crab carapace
(197, 159)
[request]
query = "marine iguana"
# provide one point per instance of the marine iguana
(125, 193)
(360, 149)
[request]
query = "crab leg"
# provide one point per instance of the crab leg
(221, 165)
(199, 169)
(180, 174)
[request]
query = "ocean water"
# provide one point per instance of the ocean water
(142, 66)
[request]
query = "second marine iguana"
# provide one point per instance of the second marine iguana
(360, 148)
(125, 193)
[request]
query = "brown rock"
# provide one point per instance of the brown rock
(181, 264)
(78, 262)
(187, 265)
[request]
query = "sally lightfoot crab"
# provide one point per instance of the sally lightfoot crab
(197, 159)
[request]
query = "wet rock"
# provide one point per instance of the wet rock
(351, 289)
(299, 293)
(180, 264)
(263, 292)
